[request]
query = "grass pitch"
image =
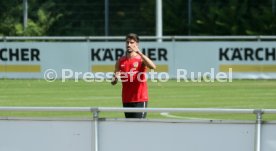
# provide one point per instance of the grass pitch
(253, 94)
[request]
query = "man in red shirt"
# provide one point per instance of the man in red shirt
(131, 69)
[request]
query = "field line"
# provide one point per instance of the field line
(166, 114)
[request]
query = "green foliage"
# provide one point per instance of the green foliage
(86, 17)
(39, 21)
(233, 17)
(6, 16)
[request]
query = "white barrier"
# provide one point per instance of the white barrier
(247, 59)
(31, 134)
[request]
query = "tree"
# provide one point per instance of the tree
(235, 17)
(39, 21)
(86, 17)
(175, 17)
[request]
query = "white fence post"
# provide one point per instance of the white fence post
(258, 129)
(96, 130)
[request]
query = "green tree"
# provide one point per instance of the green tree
(86, 17)
(39, 18)
(175, 17)
(79, 18)
(9, 16)
(235, 17)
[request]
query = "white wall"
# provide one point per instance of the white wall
(126, 135)
(135, 135)
(40, 135)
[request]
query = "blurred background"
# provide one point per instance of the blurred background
(118, 17)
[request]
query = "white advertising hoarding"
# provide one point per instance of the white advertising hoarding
(251, 60)
(247, 59)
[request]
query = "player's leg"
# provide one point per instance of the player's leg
(142, 105)
(129, 114)
(136, 114)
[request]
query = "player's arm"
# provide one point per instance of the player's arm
(147, 61)
(116, 74)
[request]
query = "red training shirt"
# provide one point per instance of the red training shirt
(134, 81)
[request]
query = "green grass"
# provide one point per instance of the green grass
(254, 94)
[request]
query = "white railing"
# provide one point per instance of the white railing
(97, 110)
(102, 38)
(118, 109)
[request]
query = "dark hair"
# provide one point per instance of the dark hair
(132, 36)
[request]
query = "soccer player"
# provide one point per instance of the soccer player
(131, 69)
